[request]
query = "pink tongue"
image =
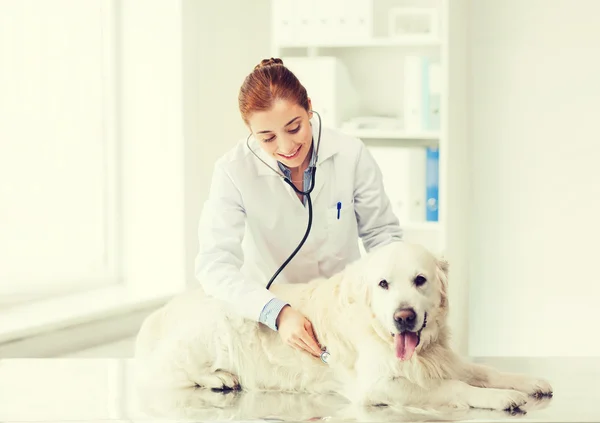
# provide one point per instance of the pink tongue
(405, 345)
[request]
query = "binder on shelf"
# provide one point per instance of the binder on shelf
(432, 184)
(394, 164)
(412, 93)
(328, 84)
(356, 19)
(434, 81)
(404, 179)
(285, 21)
(422, 87)
(417, 177)
(313, 23)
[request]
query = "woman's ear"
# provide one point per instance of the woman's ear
(310, 112)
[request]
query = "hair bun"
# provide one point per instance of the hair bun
(269, 62)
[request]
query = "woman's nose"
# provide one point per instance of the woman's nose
(286, 146)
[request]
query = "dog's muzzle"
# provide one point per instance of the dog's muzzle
(407, 339)
(405, 319)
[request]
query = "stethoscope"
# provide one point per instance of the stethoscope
(313, 171)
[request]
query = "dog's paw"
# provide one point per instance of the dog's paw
(228, 381)
(535, 404)
(537, 388)
(219, 381)
(498, 399)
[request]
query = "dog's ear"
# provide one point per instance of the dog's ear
(442, 273)
(354, 287)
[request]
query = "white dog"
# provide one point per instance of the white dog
(383, 320)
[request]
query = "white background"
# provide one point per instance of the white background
(533, 95)
(535, 146)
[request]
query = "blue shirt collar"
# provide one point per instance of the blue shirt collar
(287, 172)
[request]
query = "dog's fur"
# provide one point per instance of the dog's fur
(196, 340)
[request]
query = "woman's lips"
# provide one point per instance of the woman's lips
(292, 156)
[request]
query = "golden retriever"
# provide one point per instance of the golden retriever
(382, 319)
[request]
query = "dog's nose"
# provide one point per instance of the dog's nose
(405, 319)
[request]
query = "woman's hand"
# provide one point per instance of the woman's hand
(296, 331)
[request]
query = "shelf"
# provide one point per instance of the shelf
(395, 138)
(393, 134)
(372, 42)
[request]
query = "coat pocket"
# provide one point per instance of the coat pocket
(342, 232)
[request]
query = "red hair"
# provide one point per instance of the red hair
(270, 81)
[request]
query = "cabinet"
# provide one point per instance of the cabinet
(393, 73)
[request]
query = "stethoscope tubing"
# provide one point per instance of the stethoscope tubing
(299, 192)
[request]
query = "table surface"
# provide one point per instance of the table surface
(103, 390)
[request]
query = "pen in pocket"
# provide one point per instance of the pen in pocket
(339, 207)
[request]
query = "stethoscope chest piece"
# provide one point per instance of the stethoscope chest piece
(325, 356)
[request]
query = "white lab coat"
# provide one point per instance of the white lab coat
(253, 221)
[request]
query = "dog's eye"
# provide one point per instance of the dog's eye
(383, 283)
(420, 280)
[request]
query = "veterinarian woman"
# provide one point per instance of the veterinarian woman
(252, 220)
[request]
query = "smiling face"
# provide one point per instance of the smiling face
(284, 132)
(407, 294)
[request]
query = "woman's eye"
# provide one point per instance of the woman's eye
(269, 139)
(296, 129)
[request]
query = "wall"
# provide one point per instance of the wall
(150, 131)
(221, 45)
(535, 87)
(457, 184)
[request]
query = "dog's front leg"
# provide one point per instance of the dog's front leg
(487, 377)
(370, 382)
(453, 394)
(459, 394)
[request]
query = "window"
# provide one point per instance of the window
(92, 154)
(58, 157)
